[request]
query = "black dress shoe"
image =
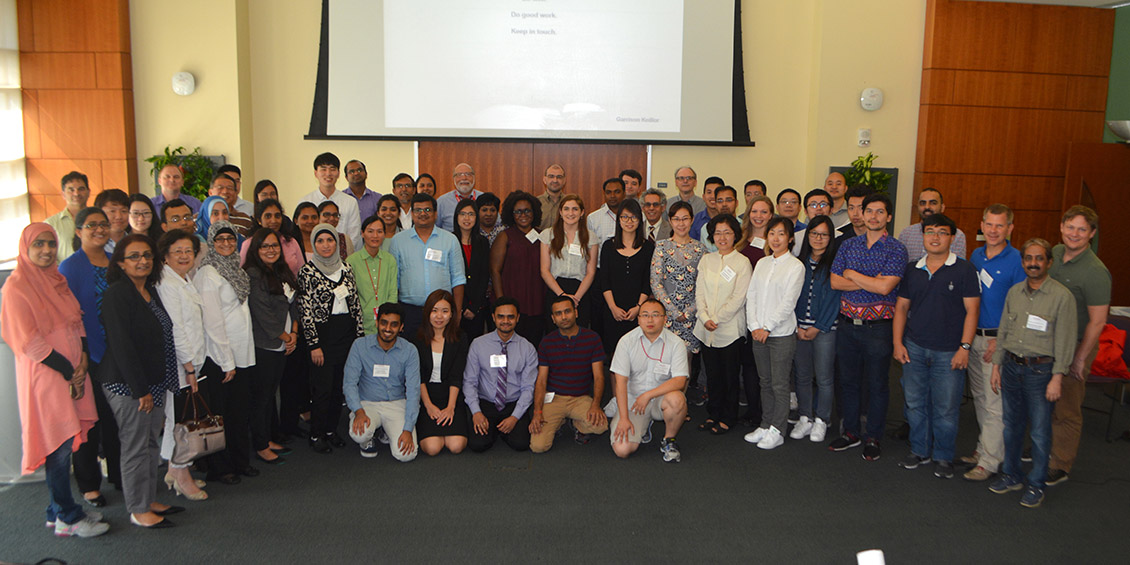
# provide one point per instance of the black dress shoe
(275, 461)
(335, 440)
(228, 479)
(169, 511)
(97, 502)
(249, 471)
(321, 445)
(159, 525)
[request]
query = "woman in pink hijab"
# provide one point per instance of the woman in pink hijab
(40, 319)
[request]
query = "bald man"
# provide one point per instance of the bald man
(463, 179)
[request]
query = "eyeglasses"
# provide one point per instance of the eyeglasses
(730, 200)
(818, 205)
(178, 219)
(651, 315)
(685, 179)
(652, 204)
(96, 226)
(524, 212)
(627, 218)
(463, 175)
(353, 171)
(933, 233)
(270, 246)
(139, 256)
(402, 185)
(818, 235)
(790, 202)
(469, 214)
(224, 239)
(424, 210)
(331, 214)
(141, 214)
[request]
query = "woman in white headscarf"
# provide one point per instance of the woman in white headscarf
(331, 320)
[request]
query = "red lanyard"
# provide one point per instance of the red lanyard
(370, 272)
(661, 350)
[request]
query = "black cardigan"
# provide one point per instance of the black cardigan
(451, 366)
(478, 274)
(135, 340)
(268, 311)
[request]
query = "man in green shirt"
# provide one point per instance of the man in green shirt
(1035, 344)
(375, 272)
(1076, 266)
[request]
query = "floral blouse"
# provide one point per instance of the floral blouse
(674, 269)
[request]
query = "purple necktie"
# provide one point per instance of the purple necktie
(500, 395)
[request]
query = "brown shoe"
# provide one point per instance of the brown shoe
(971, 459)
(977, 473)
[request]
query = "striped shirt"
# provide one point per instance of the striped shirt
(570, 361)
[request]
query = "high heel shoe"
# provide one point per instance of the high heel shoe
(169, 481)
(197, 496)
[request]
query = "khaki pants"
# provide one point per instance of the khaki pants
(1067, 419)
(390, 416)
(554, 413)
(990, 444)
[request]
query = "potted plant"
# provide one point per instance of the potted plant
(861, 172)
(196, 167)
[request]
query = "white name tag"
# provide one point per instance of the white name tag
(433, 255)
(1037, 323)
(986, 278)
(533, 235)
(549, 397)
(575, 249)
(758, 242)
(289, 292)
(662, 368)
(380, 371)
(341, 291)
(728, 274)
(497, 361)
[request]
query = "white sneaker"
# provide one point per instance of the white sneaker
(819, 430)
(369, 449)
(793, 405)
(96, 516)
(772, 439)
(802, 428)
(756, 435)
(382, 436)
(88, 527)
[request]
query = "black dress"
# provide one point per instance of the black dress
(451, 375)
(627, 278)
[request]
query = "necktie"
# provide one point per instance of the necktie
(651, 233)
(500, 395)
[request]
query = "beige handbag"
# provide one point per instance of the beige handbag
(197, 437)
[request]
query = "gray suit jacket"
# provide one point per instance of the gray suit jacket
(664, 229)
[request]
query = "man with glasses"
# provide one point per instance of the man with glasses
(427, 259)
(356, 176)
(817, 202)
(240, 204)
(935, 321)
(726, 202)
(170, 181)
(327, 169)
(685, 180)
(224, 186)
(929, 203)
(404, 187)
(76, 191)
(176, 215)
(656, 226)
(788, 205)
(702, 218)
(464, 179)
(554, 189)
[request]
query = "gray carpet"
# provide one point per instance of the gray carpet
(726, 501)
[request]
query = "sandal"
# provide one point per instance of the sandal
(719, 430)
(707, 425)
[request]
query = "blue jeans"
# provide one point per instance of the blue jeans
(61, 505)
(816, 358)
(933, 401)
(864, 352)
(1025, 404)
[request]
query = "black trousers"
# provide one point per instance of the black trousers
(531, 327)
(723, 367)
(103, 436)
(232, 400)
(413, 319)
(265, 376)
(336, 337)
(584, 309)
(294, 389)
(518, 438)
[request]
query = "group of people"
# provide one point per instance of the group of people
(458, 321)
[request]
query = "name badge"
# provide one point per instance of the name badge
(497, 361)
(758, 242)
(986, 278)
(433, 255)
(662, 368)
(376, 318)
(728, 274)
(1037, 323)
(575, 249)
(341, 291)
(549, 397)
(289, 292)
(533, 235)
(380, 371)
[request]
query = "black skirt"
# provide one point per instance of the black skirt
(459, 426)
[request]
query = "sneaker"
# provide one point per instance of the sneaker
(819, 431)
(96, 516)
(943, 470)
(844, 442)
(1032, 497)
(382, 436)
(757, 435)
(977, 474)
(1055, 476)
(970, 459)
(369, 449)
(872, 451)
(913, 461)
(772, 440)
(88, 527)
(1005, 483)
(802, 428)
(581, 439)
(670, 450)
(647, 433)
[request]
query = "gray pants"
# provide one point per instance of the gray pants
(774, 360)
(140, 434)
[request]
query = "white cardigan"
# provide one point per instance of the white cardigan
(227, 321)
(773, 293)
(185, 308)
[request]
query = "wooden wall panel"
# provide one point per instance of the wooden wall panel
(80, 25)
(587, 166)
(1027, 90)
(1096, 177)
(965, 190)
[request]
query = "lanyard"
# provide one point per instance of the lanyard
(370, 272)
(661, 350)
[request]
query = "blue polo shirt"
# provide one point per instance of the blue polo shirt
(936, 318)
(997, 275)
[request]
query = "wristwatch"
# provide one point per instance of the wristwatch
(966, 346)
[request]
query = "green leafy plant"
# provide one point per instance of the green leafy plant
(861, 173)
(198, 169)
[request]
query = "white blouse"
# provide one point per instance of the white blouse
(722, 282)
(773, 293)
(227, 321)
(186, 310)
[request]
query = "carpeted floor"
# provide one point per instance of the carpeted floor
(727, 501)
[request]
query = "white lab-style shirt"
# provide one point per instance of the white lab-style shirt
(227, 321)
(186, 310)
(773, 292)
(721, 300)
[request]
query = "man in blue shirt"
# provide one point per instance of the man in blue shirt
(382, 386)
(464, 179)
(427, 259)
(498, 383)
(999, 268)
(935, 320)
(698, 224)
